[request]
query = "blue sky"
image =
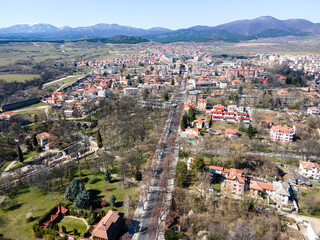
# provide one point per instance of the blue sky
(151, 13)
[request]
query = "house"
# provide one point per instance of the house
(218, 107)
(235, 182)
(281, 134)
(281, 193)
(10, 115)
(260, 189)
(309, 170)
(198, 123)
(187, 106)
(192, 131)
(43, 138)
(266, 123)
(223, 84)
(53, 217)
(313, 111)
(202, 104)
(230, 133)
(108, 227)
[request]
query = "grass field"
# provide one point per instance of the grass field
(71, 223)
(34, 200)
(63, 83)
(18, 77)
(13, 221)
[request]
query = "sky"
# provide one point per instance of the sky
(171, 14)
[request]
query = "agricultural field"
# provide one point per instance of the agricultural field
(18, 77)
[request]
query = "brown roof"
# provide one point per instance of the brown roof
(108, 226)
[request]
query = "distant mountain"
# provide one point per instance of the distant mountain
(270, 26)
(261, 27)
(49, 32)
(116, 40)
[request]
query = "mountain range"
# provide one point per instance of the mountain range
(261, 27)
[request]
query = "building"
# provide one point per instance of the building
(281, 193)
(313, 111)
(202, 104)
(108, 227)
(309, 170)
(230, 133)
(281, 134)
(235, 182)
(43, 138)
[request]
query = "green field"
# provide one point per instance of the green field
(18, 77)
(36, 201)
(13, 221)
(71, 223)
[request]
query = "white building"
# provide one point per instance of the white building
(281, 134)
(313, 111)
(280, 194)
(309, 170)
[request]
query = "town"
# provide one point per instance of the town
(149, 140)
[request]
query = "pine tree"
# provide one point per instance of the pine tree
(35, 118)
(34, 140)
(99, 140)
(112, 200)
(20, 154)
(107, 176)
(184, 122)
(251, 131)
(63, 229)
(191, 114)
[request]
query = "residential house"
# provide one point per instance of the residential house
(260, 189)
(198, 123)
(281, 193)
(281, 134)
(202, 104)
(309, 170)
(230, 133)
(43, 138)
(313, 111)
(192, 131)
(235, 182)
(108, 227)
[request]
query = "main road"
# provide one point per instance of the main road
(145, 219)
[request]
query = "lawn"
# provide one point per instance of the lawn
(13, 222)
(18, 77)
(34, 200)
(71, 223)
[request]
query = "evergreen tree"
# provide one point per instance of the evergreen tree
(107, 176)
(172, 82)
(112, 200)
(166, 96)
(34, 140)
(35, 118)
(63, 229)
(184, 122)
(251, 131)
(191, 114)
(138, 175)
(20, 154)
(82, 200)
(99, 139)
(198, 164)
(74, 189)
(240, 90)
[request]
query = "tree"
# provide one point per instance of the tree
(34, 140)
(82, 200)
(184, 122)
(35, 118)
(74, 189)
(191, 114)
(112, 200)
(20, 154)
(251, 131)
(198, 164)
(172, 82)
(99, 140)
(107, 176)
(240, 90)
(182, 174)
(138, 175)
(172, 235)
(166, 96)
(63, 229)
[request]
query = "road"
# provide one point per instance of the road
(144, 218)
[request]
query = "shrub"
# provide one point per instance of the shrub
(104, 203)
(38, 235)
(73, 212)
